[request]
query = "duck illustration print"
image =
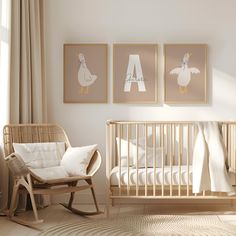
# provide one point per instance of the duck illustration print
(85, 73)
(85, 78)
(185, 73)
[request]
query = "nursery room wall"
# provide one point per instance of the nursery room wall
(130, 21)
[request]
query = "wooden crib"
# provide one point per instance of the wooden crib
(158, 164)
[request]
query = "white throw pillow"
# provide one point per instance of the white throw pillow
(150, 157)
(124, 151)
(76, 159)
(40, 155)
(141, 153)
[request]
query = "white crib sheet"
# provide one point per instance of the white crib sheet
(142, 175)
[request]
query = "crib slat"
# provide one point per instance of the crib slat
(229, 145)
(234, 166)
(225, 135)
(188, 155)
(108, 167)
(146, 170)
(179, 158)
(174, 144)
(234, 156)
(154, 158)
(137, 166)
(119, 157)
(163, 174)
(171, 154)
(162, 161)
(166, 144)
(114, 161)
(233, 146)
(128, 158)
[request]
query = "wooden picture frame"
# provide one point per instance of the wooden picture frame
(85, 73)
(135, 73)
(185, 73)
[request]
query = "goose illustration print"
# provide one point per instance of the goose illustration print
(85, 78)
(184, 73)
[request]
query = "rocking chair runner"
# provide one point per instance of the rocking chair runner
(25, 177)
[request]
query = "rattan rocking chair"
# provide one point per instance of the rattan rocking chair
(24, 178)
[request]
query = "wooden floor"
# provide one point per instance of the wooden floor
(56, 214)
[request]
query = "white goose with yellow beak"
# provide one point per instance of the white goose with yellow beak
(184, 73)
(85, 78)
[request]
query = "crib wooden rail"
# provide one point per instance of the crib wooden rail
(160, 153)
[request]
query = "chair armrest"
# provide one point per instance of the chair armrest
(231, 170)
(16, 165)
(94, 163)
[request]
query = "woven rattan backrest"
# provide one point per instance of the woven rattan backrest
(32, 133)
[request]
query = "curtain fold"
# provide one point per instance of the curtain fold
(5, 12)
(27, 78)
(27, 102)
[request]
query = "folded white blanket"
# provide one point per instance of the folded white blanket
(209, 171)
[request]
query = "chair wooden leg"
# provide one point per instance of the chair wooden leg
(108, 205)
(28, 186)
(32, 199)
(232, 203)
(89, 181)
(71, 199)
(83, 213)
(13, 199)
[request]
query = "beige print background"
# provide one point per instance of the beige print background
(197, 87)
(96, 61)
(147, 55)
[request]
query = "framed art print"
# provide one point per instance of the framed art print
(134, 73)
(85, 73)
(185, 73)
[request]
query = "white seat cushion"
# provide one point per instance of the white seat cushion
(40, 155)
(50, 173)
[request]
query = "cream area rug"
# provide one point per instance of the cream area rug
(146, 225)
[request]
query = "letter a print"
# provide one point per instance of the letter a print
(134, 65)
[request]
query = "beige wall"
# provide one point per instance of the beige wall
(169, 21)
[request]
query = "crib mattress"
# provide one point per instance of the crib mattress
(183, 180)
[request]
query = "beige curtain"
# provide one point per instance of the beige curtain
(27, 71)
(5, 12)
(4, 184)
(27, 77)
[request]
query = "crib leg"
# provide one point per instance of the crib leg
(113, 202)
(108, 205)
(232, 201)
(107, 209)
